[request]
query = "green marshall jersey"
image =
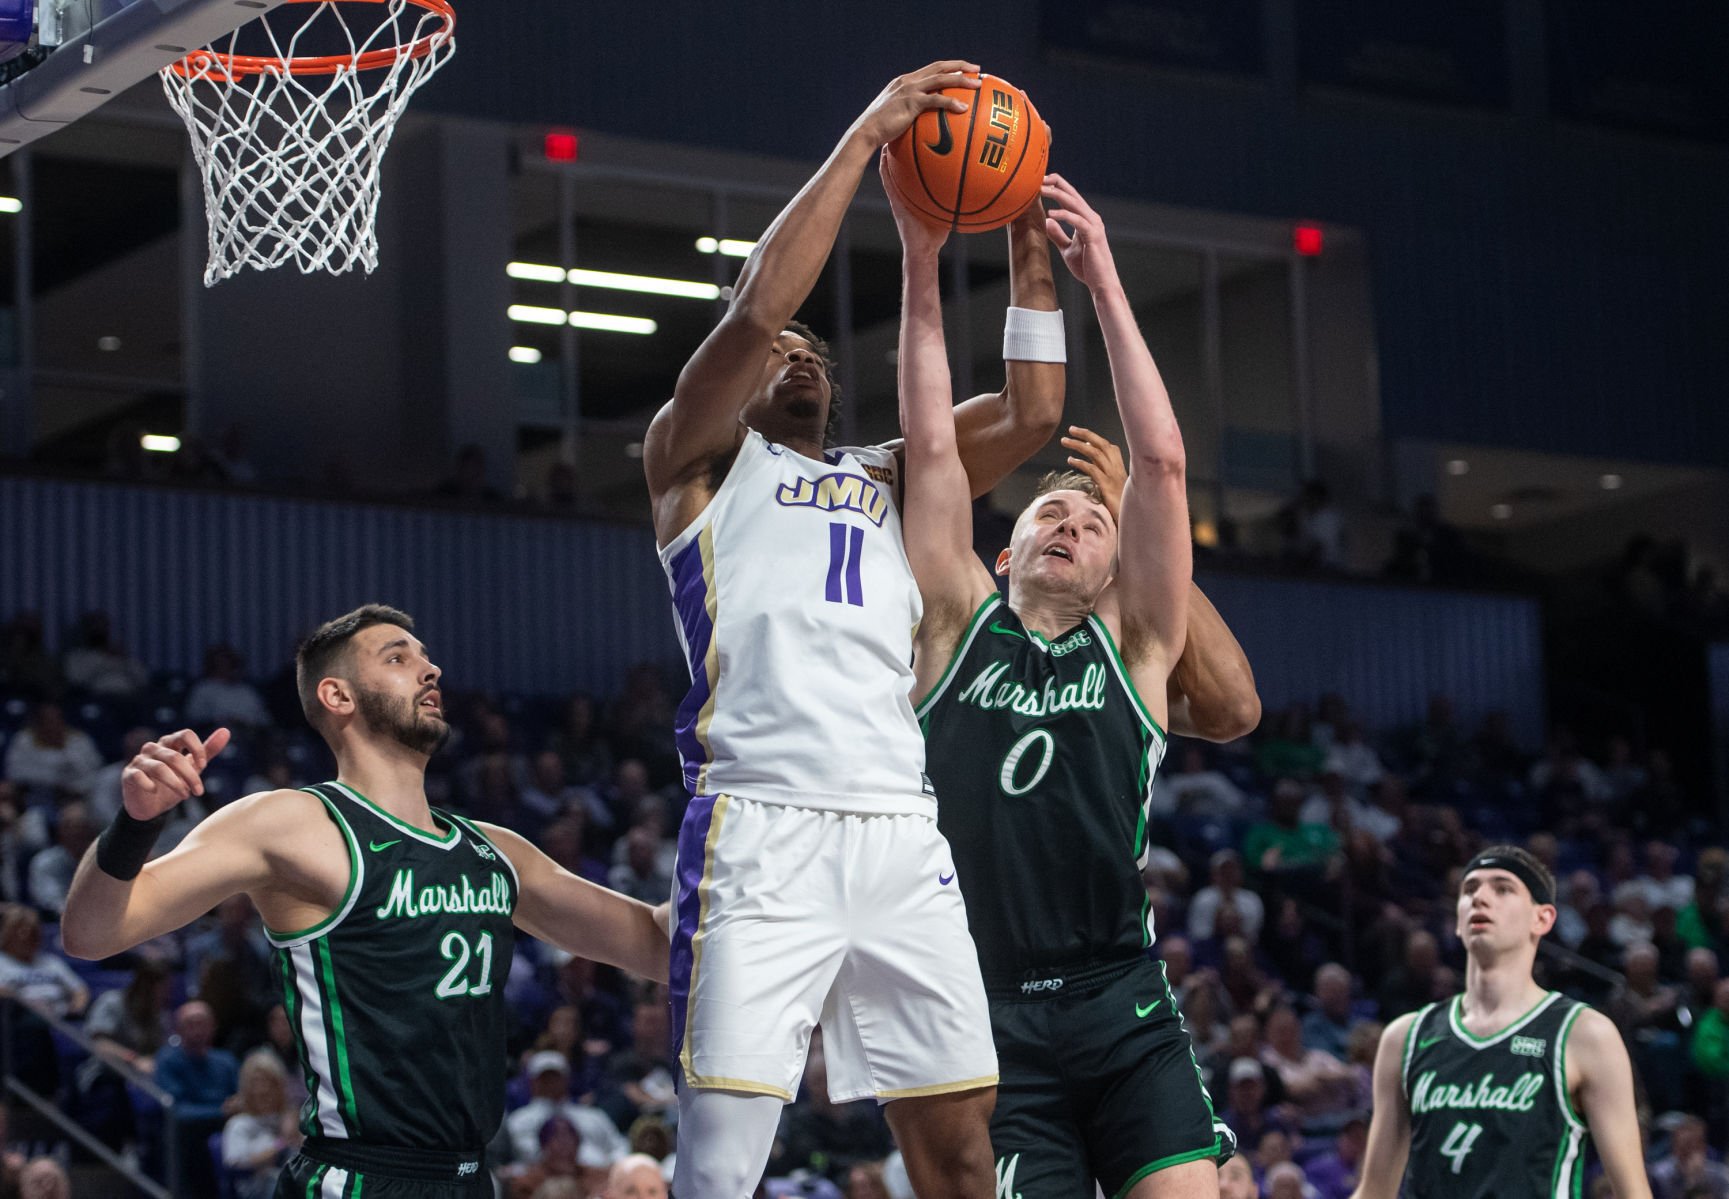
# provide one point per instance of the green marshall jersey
(1491, 1116)
(1042, 757)
(397, 999)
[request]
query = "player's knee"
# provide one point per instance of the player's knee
(715, 1172)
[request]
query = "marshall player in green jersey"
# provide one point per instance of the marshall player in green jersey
(1493, 1092)
(1043, 720)
(393, 922)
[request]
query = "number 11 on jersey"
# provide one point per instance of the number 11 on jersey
(845, 551)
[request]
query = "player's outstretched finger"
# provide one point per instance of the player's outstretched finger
(950, 66)
(1055, 232)
(216, 743)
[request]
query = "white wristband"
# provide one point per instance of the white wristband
(1031, 335)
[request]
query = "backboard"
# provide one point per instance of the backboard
(61, 59)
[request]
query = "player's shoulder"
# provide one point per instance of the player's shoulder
(269, 818)
(1400, 1027)
(270, 814)
(1589, 1030)
(281, 806)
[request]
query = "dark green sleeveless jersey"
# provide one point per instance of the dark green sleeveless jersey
(1042, 756)
(397, 1000)
(1492, 1117)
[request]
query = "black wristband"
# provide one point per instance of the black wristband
(125, 845)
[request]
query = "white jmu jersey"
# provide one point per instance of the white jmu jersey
(796, 610)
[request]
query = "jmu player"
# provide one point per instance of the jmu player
(809, 861)
(393, 922)
(1044, 721)
(1493, 1092)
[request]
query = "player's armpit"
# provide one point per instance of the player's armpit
(1602, 1074)
(225, 854)
(580, 918)
(1390, 1127)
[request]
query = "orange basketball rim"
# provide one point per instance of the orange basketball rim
(212, 62)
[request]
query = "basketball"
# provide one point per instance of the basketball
(977, 170)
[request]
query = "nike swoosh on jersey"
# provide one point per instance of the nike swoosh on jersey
(380, 846)
(1144, 1012)
(945, 140)
(944, 880)
(997, 627)
(1431, 1041)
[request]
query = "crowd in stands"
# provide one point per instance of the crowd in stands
(1303, 892)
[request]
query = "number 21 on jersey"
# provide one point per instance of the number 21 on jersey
(454, 948)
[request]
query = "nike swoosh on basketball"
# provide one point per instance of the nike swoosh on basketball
(996, 627)
(945, 140)
(944, 880)
(1144, 1012)
(379, 846)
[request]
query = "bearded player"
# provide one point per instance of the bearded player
(1493, 1092)
(393, 922)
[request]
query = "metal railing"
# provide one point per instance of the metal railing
(45, 1107)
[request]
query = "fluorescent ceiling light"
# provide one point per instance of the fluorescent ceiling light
(527, 355)
(535, 271)
(689, 289)
(530, 315)
(613, 324)
(730, 246)
(11, 204)
(606, 321)
(159, 443)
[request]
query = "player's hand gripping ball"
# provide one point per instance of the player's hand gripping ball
(976, 170)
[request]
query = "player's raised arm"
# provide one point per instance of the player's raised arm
(1155, 558)
(1605, 1092)
(1211, 690)
(937, 521)
(701, 421)
(581, 918)
(1390, 1122)
(117, 900)
(999, 431)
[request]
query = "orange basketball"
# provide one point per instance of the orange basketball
(974, 170)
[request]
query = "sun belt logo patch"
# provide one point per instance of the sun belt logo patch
(1529, 1046)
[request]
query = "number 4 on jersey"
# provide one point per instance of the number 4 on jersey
(1459, 1143)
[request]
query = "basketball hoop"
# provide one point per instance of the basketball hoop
(290, 143)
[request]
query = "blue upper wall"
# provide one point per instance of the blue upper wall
(1538, 283)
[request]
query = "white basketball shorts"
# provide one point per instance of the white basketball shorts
(787, 918)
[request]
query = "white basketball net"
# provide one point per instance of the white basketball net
(291, 161)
